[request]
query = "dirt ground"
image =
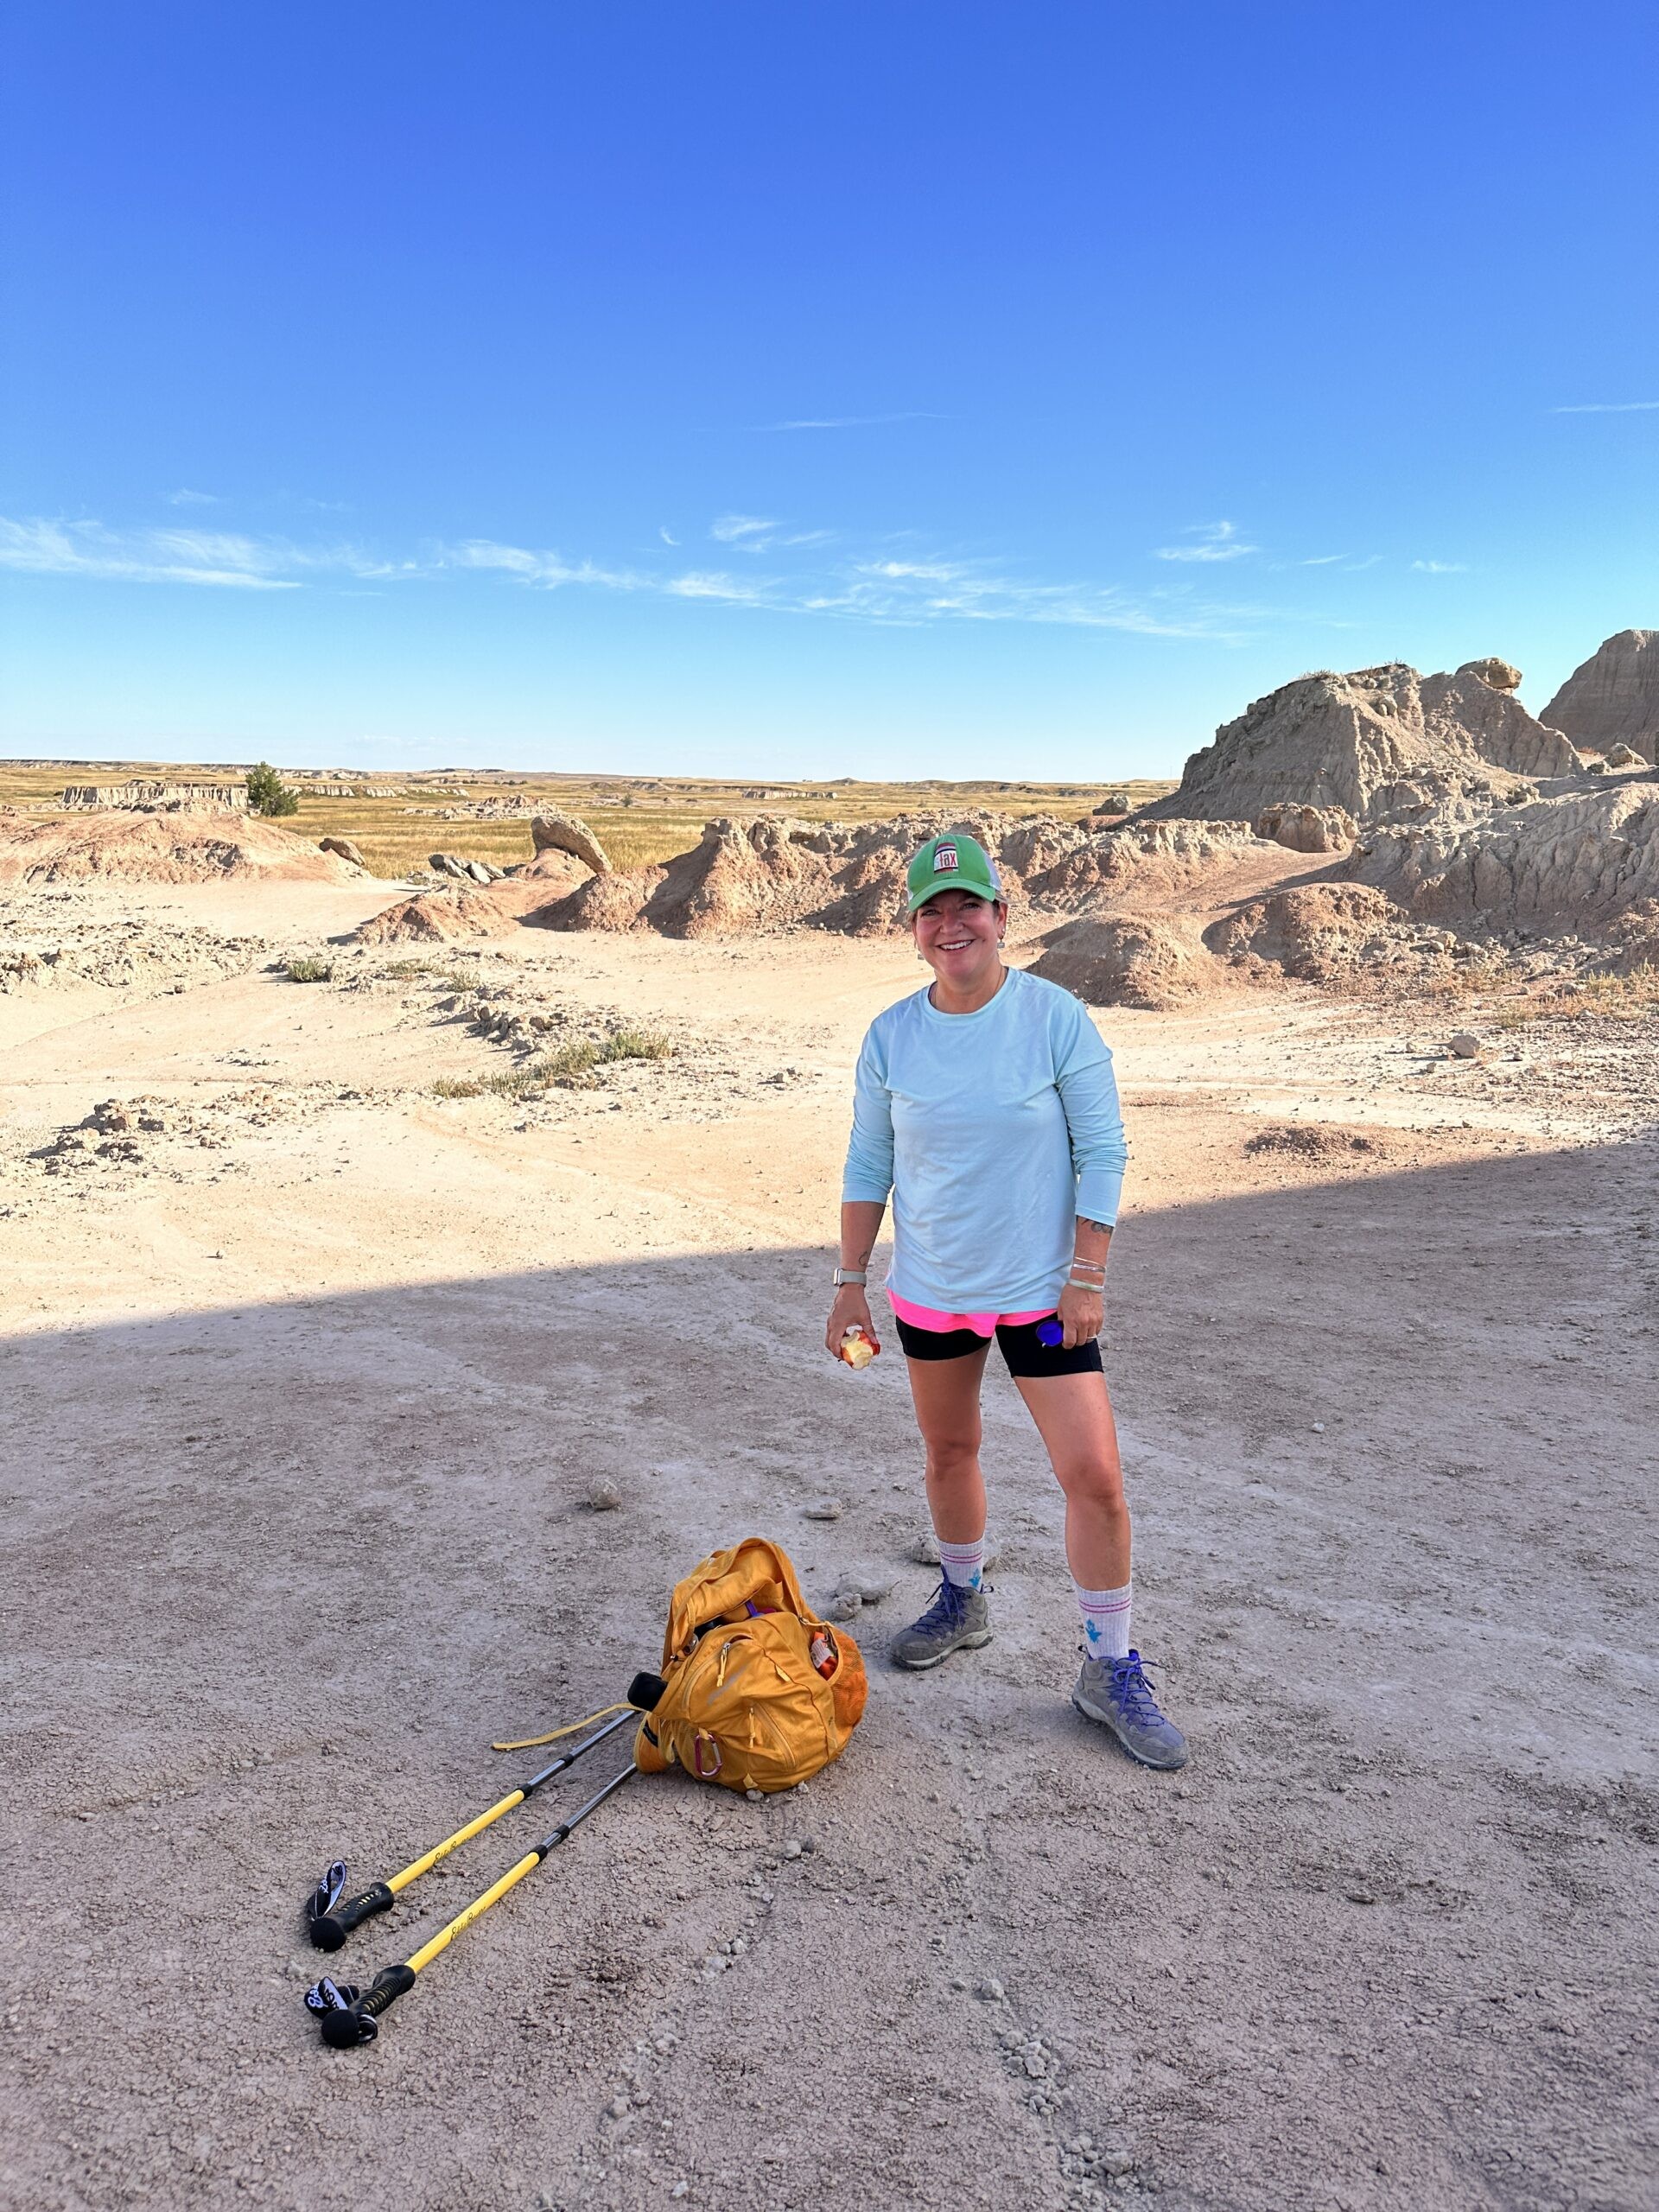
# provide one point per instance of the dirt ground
(304, 1389)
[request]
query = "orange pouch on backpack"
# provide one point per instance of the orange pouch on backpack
(745, 1706)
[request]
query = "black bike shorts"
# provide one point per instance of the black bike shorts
(1017, 1341)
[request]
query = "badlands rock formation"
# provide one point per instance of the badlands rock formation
(1572, 862)
(1367, 742)
(163, 848)
(566, 833)
(1613, 698)
(1127, 960)
(1307, 828)
(437, 917)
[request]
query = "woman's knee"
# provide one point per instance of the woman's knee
(952, 1455)
(1094, 1480)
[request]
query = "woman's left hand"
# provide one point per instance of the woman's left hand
(1082, 1315)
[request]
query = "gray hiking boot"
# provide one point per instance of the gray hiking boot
(1116, 1692)
(957, 1620)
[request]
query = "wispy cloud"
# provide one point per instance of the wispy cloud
(1441, 567)
(193, 499)
(662, 532)
(1211, 541)
(1611, 407)
(755, 534)
(878, 586)
(1322, 560)
(857, 422)
(548, 569)
(219, 558)
(734, 530)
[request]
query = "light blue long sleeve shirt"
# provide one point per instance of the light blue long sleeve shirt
(993, 1131)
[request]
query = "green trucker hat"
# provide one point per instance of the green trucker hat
(952, 863)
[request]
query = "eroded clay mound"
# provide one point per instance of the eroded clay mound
(1146, 861)
(1130, 960)
(1307, 828)
(1612, 699)
(1317, 932)
(740, 878)
(438, 917)
(745, 876)
(1364, 742)
(163, 848)
(1571, 863)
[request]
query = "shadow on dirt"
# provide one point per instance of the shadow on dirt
(277, 1574)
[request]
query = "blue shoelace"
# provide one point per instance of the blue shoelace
(947, 1606)
(1131, 1692)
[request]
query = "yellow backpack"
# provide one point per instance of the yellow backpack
(743, 1701)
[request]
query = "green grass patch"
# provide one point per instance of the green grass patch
(569, 1066)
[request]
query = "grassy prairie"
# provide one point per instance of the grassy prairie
(638, 819)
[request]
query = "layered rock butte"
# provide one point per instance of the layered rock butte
(1612, 699)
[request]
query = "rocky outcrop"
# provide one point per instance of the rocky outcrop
(770, 873)
(1569, 863)
(1143, 862)
(1364, 742)
(1307, 828)
(1613, 697)
(158, 796)
(741, 877)
(1502, 674)
(1319, 932)
(437, 917)
(163, 847)
(344, 847)
(565, 832)
(463, 871)
(1130, 960)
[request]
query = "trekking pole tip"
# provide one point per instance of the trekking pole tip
(346, 2030)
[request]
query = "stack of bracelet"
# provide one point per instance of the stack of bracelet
(1087, 1275)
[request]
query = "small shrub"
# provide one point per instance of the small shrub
(404, 971)
(636, 1044)
(570, 1065)
(457, 979)
(309, 970)
(268, 793)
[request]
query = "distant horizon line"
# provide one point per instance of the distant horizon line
(782, 785)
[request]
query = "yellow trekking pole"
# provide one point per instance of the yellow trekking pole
(330, 1920)
(351, 2016)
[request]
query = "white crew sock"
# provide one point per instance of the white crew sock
(1105, 1620)
(964, 1564)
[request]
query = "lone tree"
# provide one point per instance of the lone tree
(268, 793)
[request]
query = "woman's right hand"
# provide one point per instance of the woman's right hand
(851, 1310)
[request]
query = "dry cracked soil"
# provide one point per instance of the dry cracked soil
(306, 1373)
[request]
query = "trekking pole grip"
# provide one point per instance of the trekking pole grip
(330, 1929)
(344, 2031)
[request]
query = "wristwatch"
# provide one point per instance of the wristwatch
(860, 1275)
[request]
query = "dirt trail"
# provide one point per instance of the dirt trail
(299, 1425)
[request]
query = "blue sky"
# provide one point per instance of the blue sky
(899, 390)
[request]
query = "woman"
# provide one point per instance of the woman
(986, 1104)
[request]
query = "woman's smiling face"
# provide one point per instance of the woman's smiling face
(960, 937)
